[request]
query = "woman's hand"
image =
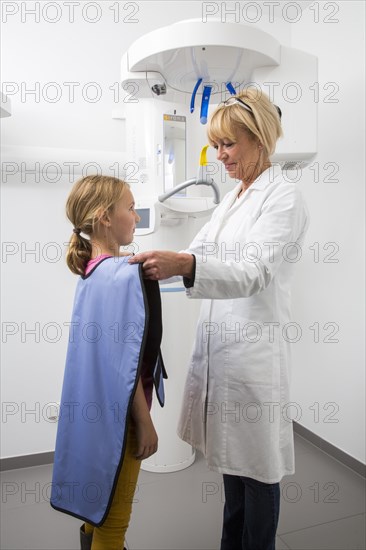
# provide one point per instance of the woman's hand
(162, 264)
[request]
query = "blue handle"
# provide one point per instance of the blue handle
(194, 93)
(231, 88)
(204, 105)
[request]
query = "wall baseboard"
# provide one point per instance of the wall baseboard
(40, 459)
(26, 461)
(332, 450)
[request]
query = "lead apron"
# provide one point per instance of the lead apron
(116, 327)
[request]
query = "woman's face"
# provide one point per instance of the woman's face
(123, 219)
(240, 158)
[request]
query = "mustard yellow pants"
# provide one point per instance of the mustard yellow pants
(111, 535)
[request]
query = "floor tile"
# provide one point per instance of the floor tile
(344, 534)
(26, 486)
(189, 513)
(281, 545)
(38, 527)
(322, 490)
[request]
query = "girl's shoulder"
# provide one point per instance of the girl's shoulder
(94, 262)
(110, 266)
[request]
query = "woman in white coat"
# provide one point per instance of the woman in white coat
(236, 405)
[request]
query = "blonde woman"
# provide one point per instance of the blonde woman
(113, 359)
(241, 264)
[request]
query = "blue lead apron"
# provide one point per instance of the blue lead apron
(116, 328)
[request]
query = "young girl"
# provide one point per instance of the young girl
(113, 360)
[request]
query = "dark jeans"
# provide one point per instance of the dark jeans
(250, 514)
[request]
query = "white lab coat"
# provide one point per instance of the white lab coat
(236, 405)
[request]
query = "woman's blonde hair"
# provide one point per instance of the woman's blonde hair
(88, 200)
(262, 123)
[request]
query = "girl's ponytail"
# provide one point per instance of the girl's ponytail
(78, 253)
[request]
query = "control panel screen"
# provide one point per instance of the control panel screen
(144, 214)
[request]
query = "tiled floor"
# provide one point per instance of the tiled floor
(322, 508)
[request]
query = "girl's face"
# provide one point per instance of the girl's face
(123, 219)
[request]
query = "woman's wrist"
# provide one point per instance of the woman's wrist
(186, 265)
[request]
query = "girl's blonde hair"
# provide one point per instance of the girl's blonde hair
(263, 123)
(88, 200)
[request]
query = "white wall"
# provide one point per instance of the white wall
(38, 288)
(329, 378)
